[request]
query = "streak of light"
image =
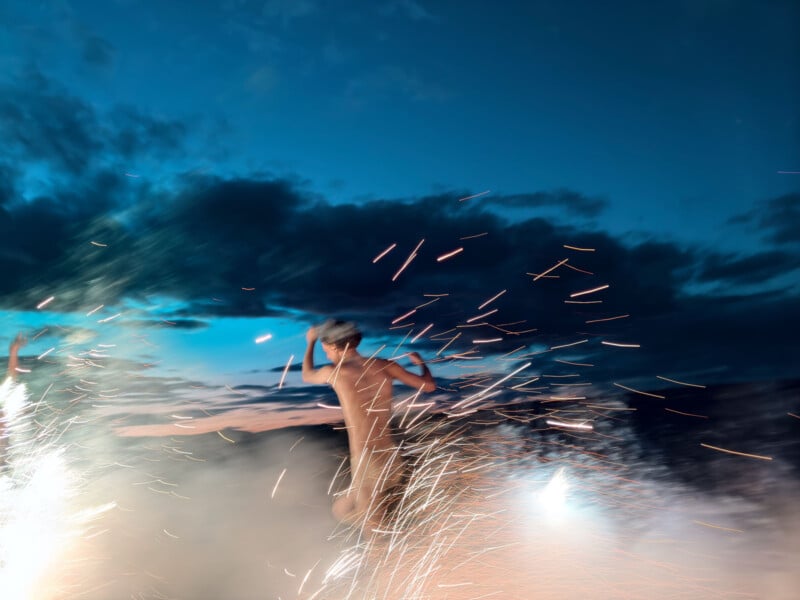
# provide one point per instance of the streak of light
(421, 333)
(737, 453)
(450, 254)
(426, 303)
(574, 268)
(275, 489)
(44, 303)
(553, 268)
(681, 382)
(172, 535)
(589, 291)
(227, 439)
(405, 316)
(793, 415)
(512, 352)
(132, 175)
(263, 338)
(487, 341)
(474, 196)
(99, 244)
(477, 235)
(575, 364)
(285, 371)
(411, 257)
(248, 289)
(620, 345)
(45, 353)
(607, 319)
(111, 318)
(492, 299)
(630, 389)
(384, 253)
(477, 396)
(568, 345)
(486, 314)
(453, 339)
(583, 301)
(568, 425)
(435, 295)
(322, 405)
(520, 385)
(305, 579)
(672, 410)
(704, 524)
(578, 249)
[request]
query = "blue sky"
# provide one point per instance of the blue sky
(666, 132)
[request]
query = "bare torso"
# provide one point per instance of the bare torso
(364, 389)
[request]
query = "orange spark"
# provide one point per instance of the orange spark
(553, 268)
(686, 414)
(492, 299)
(624, 387)
(384, 253)
(758, 456)
(591, 291)
(681, 382)
(285, 371)
(607, 319)
(474, 196)
(620, 345)
(411, 257)
(450, 254)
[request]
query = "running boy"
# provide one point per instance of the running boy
(364, 388)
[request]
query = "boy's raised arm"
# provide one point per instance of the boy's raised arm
(310, 374)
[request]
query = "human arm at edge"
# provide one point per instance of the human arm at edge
(13, 358)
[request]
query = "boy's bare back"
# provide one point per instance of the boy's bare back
(364, 388)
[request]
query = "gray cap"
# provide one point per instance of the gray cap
(332, 331)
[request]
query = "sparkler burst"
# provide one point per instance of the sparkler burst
(40, 496)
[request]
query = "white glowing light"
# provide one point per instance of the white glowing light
(263, 338)
(553, 497)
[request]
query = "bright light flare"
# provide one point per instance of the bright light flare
(554, 496)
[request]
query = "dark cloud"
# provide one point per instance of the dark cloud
(97, 51)
(295, 368)
(252, 247)
(568, 200)
(756, 268)
(267, 247)
(187, 324)
(777, 218)
(41, 122)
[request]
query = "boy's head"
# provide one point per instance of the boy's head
(339, 334)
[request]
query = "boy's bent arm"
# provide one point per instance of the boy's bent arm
(310, 374)
(424, 381)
